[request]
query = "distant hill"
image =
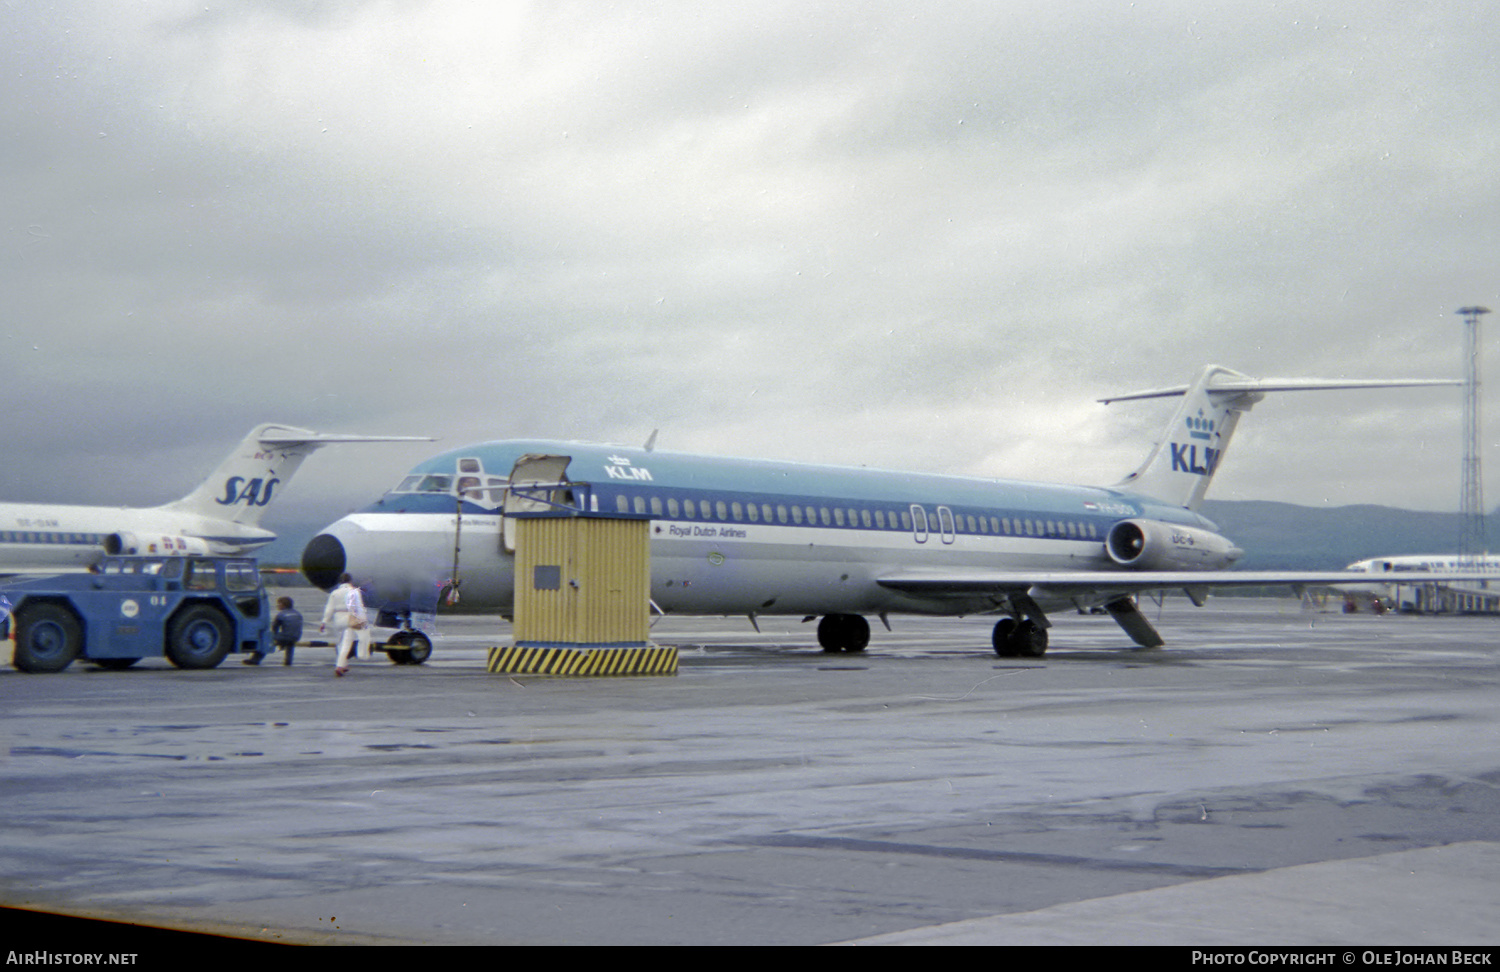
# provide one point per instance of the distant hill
(1290, 537)
(1274, 535)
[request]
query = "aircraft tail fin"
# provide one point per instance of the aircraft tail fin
(1182, 464)
(257, 470)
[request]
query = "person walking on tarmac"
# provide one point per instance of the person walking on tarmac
(346, 610)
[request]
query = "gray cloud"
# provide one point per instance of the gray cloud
(873, 234)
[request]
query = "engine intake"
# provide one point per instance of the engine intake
(1152, 545)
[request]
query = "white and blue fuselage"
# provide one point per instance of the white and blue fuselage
(731, 536)
(756, 537)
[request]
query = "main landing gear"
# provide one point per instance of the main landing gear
(1019, 639)
(843, 632)
(1012, 639)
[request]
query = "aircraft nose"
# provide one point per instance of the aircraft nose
(324, 561)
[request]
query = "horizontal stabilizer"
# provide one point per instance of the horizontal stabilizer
(1241, 385)
(286, 436)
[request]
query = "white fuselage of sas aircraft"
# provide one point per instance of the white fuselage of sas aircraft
(220, 516)
(733, 536)
(42, 537)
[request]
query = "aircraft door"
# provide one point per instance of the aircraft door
(945, 524)
(530, 473)
(918, 523)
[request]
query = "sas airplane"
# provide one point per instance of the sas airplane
(218, 517)
(742, 536)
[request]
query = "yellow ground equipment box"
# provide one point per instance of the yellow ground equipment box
(582, 597)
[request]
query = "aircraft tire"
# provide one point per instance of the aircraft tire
(48, 638)
(828, 633)
(421, 648)
(417, 648)
(198, 637)
(1029, 640)
(1002, 639)
(843, 632)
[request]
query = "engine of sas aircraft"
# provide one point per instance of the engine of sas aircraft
(1153, 545)
(132, 545)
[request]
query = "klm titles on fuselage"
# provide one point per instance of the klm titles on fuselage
(621, 468)
(256, 492)
(1186, 458)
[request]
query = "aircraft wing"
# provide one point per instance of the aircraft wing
(1100, 584)
(1111, 589)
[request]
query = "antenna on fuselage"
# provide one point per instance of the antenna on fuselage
(651, 440)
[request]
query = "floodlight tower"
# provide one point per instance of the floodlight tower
(1472, 542)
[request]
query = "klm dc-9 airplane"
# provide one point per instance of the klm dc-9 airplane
(742, 536)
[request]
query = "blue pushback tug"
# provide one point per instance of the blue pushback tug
(194, 610)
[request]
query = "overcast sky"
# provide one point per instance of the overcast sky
(917, 235)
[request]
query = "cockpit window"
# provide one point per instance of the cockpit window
(419, 483)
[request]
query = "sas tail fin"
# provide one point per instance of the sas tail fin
(1181, 465)
(258, 469)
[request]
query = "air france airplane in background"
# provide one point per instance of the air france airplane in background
(742, 536)
(1478, 565)
(1463, 576)
(219, 517)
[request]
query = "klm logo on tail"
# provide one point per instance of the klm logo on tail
(1185, 458)
(256, 492)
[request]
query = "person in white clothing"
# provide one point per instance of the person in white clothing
(346, 611)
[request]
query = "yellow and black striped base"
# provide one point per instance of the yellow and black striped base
(553, 660)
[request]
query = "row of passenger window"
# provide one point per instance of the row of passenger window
(32, 536)
(940, 520)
